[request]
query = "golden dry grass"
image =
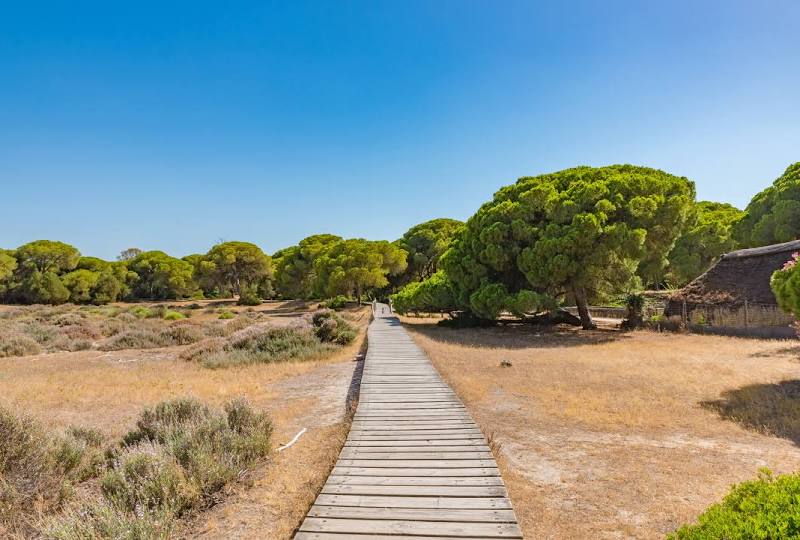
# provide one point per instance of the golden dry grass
(608, 435)
(107, 390)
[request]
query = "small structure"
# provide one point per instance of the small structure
(734, 295)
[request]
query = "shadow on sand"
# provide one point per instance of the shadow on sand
(517, 336)
(773, 409)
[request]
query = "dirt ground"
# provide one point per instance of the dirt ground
(609, 435)
(108, 389)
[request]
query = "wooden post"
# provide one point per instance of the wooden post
(746, 313)
(684, 313)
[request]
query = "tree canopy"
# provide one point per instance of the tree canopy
(773, 215)
(350, 267)
(575, 232)
(708, 234)
(236, 266)
(159, 276)
(785, 285)
(294, 266)
(425, 243)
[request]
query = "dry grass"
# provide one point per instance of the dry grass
(608, 435)
(107, 390)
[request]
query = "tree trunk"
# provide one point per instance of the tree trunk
(583, 308)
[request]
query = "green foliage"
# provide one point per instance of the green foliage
(424, 244)
(785, 285)
(80, 284)
(236, 266)
(708, 234)
(435, 294)
(329, 327)
(581, 231)
(159, 276)
(249, 297)
(763, 509)
(773, 215)
(8, 263)
(170, 315)
(47, 256)
(351, 267)
(40, 288)
(337, 302)
(294, 266)
(227, 315)
(260, 345)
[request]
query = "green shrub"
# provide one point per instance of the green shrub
(18, 345)
(141, 312)
(38, 469)
(227, 315)
(337, 302)
(249, 297)
(329, 327)
(173, 316)
(178, 457)
(147, 479)
(763, 509)
(259, 345)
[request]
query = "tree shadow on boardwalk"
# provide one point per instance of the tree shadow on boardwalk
(517, 336)
(772, 409)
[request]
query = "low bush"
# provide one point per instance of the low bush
(261, 345)
(337, 302)
(761, 509)
(141, 312)
(38, 470)
(138, 338)
(203, 349)
(18, 345)
(249, 297)
(329, 327)
(183, 334)
(173, 316)
(180, 454)
(227, 315)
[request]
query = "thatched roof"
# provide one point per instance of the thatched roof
(737, 276)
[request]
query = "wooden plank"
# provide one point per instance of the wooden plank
(372, 501)
(419, 471)
(421, 463)
(399, 527)
(415, 480)
(422, 514)
(415, 491)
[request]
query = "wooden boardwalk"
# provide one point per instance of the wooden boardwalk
(415, 465)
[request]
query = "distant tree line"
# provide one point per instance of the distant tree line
(577, 236)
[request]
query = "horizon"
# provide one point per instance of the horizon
(169, 128)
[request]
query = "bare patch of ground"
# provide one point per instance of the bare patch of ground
(608, 435)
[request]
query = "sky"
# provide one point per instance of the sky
(175, 125)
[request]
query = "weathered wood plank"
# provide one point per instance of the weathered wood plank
(415, 491)
(399, 527)
(421, 471)
(416, 480)
(422, 514)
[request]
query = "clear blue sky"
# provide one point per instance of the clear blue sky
(172, 125)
